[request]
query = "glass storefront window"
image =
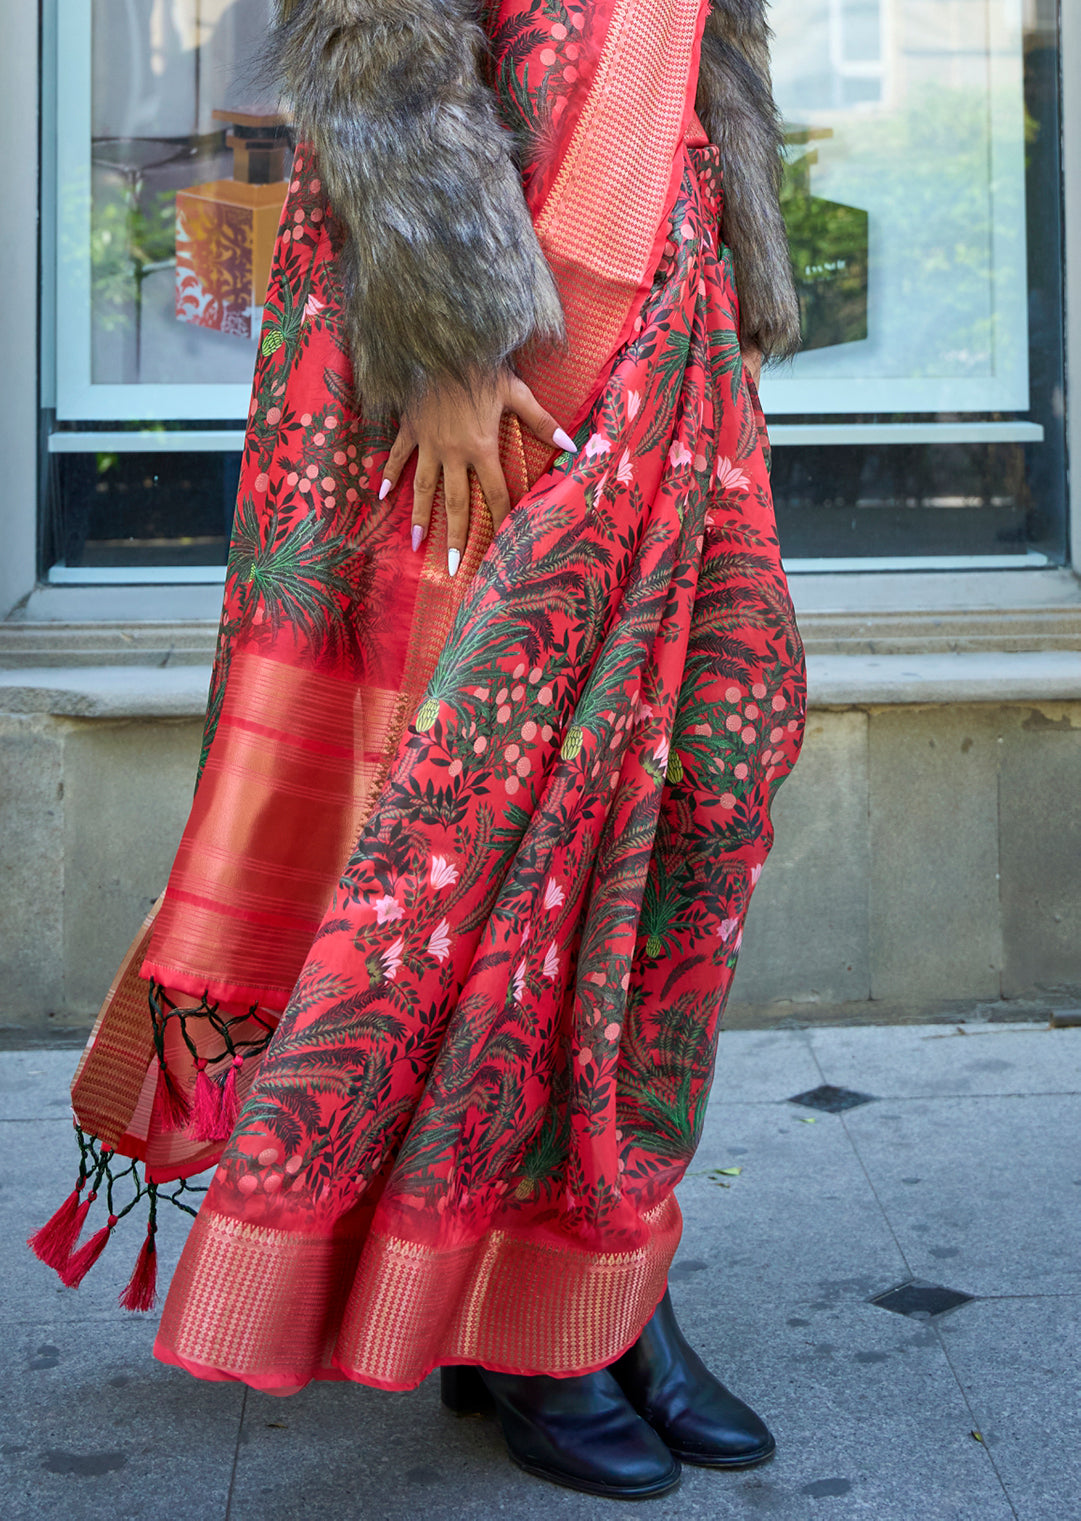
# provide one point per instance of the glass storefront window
(923, 423)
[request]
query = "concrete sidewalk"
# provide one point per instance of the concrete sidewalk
(963, 1171)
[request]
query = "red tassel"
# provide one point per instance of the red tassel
(141, 1292)
(54, 1243)
(77, 1267)
(172, 1108)
(230, 1104)
(206, 1106)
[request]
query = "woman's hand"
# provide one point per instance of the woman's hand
(455, 430)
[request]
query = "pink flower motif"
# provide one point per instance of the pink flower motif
(660, 755)
(634, 401)
(387, 909)
(443, 872)
(519, 981)
(728, 928)
(262, 481)
(553, 894)
(312, 307)
(439, 941)
(729, 477)
(758, 690)
(625, 473)
(740, 771)
(778, 704)
(551, 962)
(584, 1055)
(392, 958)
(756, 872)
(611, 1031)
(597, 445)
(679, 455)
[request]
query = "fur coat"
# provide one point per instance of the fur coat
(442, 272)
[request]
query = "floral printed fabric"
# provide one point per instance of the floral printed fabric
(508, 1018)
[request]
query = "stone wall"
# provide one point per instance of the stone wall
(927, 858)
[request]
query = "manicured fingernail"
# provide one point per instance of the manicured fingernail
(418, 536)
(384, 488)
(454, 559)
(565, 441)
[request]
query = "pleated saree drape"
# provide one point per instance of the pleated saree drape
(478, 851)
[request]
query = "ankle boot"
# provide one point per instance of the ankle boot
(697, 1417)
(580, 1432)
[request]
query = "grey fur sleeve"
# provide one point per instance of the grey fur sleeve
(735, 105)
(442, 272)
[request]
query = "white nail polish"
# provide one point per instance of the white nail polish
(383, 490)
(565, 441)
(454, 559)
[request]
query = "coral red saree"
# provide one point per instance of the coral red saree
(478, 852)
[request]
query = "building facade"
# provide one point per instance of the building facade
(929, 841)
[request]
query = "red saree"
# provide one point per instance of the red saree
(484, 845)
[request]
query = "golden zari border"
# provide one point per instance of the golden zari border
(275, 1309)
(600, 221)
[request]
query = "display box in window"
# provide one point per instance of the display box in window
(225, 230)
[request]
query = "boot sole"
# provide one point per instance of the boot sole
(700, 1460)
(607, 1491)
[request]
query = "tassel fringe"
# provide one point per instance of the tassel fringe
(141, 1291)
(55, 1241)
(209, 1114)
(80, 1263)
(230, 1104)
(205, 1106)
(172, 1110)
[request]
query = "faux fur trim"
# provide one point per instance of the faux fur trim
(442, 272)
(735, 106)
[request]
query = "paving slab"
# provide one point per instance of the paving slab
(762, 1066)
(981, 1193)
(34, 1084)
(800, 1208)
(93, 1427)
(1017, 1360)
(963, 1171)
(910, 1061)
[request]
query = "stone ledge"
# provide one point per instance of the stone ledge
(107, 691)
(876, 613)
(834, 681)
(850, 681)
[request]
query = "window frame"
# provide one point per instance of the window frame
(24, 98)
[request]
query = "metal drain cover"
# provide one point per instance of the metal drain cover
(920, 1300)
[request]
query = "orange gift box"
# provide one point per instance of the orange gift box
(225, 233)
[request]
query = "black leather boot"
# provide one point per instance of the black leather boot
(697, 1417)
(580, 1432)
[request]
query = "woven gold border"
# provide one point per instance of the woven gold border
(276, 1308)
